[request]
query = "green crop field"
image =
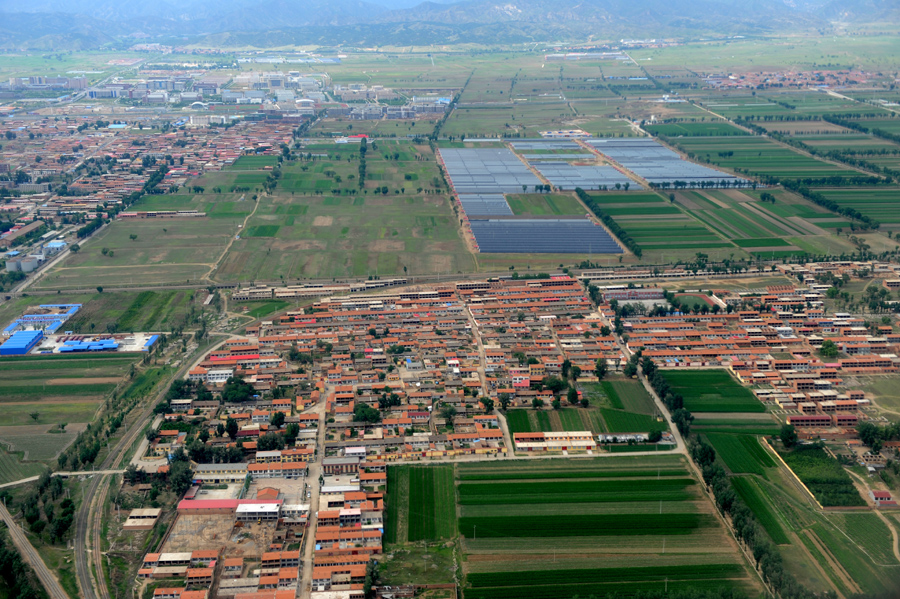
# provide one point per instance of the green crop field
(615, 513)
(517, 421)
(420, 504)
(759, 156)
(711, 422)
(712, 391)
(869, 533)
(30, 380)
(741, 453)
(629, 395)
(580, 526)
(627, 422)
(571, 419)
(542, 419)
(756, 500)
(431, 503)
(582, 467)
(878, 203)
(574, 492)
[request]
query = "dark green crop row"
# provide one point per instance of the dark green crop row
(582, 576)
(525, 475)
(580, 525)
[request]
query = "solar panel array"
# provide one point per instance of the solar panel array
(486, 170)
(544, 156)
(485, 204)
(544, 236)
(656, 163)
(568, 176)
(550, 144)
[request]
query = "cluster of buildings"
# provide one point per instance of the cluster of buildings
(414, 373)
(417, 107)
(788, 79)
(770, 340)
(42, 83)
(121, 152)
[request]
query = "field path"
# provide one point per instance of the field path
(833, 564)
(231, 240)
(895, 545)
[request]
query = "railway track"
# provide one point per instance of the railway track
(90, 514)
(30, 555)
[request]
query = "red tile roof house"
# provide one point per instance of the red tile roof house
(883, 498)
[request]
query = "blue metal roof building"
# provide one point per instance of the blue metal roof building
(21, 343)
(80, 346)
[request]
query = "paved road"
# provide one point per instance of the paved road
(32, 479)
(30, 555)
(315, 470)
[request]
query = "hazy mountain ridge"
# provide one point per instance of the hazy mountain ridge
(89, 23)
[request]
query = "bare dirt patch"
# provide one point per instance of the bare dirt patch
(323, 221)
(738, 196)
(305, 244)
(195, 532)
(715, 200)
(440, 263)
(387, 245)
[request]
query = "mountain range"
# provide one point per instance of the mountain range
(66, 24)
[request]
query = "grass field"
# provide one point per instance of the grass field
(712, 391)
(13, 468)
(164, 251)
(555, 204)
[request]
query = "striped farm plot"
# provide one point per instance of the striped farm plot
(548, 529)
